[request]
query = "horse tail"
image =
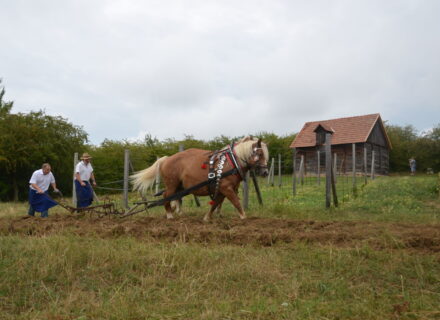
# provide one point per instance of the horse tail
(144, 179)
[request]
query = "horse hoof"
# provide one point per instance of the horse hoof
(170, 216)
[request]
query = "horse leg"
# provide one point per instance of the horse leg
(167, 205)
(217, 211)
(176, 206)
(233, 197)
(169, 210)
(219, 208)
(216, 206)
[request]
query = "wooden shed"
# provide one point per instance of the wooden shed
(366, 132)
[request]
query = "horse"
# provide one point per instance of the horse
(224, 169)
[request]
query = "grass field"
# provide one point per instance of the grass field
(88, 268)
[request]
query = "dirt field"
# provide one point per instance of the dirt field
(253, 231)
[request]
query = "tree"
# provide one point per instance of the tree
(431, 148)
(403, 140)
(279, 145)
(5, 107)
(27, 141)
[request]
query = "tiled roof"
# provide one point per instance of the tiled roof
(346, 130)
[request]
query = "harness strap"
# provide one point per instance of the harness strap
(185, 192)
(235, 162)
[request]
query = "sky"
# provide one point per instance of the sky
(124, 69)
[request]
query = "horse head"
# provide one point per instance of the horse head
(259, 158)
(253, 154)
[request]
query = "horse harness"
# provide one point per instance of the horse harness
(214, 176)
(216, 173)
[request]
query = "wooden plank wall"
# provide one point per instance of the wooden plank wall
(344, 158)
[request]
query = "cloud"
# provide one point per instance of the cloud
(125, 68)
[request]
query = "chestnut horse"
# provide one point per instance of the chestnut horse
(189, 168)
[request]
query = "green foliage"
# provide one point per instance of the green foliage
(27, 141)
(5, 107)
(108, 158)
(429, 150)
(406, 143)
(279, 145)
(403, 142)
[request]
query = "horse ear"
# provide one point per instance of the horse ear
(259, 143)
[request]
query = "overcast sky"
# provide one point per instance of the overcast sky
(122, 69)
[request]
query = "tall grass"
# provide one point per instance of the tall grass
(64, 277)
(71, 277)
(398, 199)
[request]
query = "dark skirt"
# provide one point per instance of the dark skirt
(84, 195)
(40, 201)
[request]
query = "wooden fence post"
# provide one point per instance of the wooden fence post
(335, 167)
(271, 172)
(279, 171)
(294, 172)
(328, 169)
(75, 162)
(372, 165)
(301, 170)
(365, 165)
(318, 178)
(257, 188)
(126, 167)
(246, 192)
(272, 176)
(335, 196)
(353, 159)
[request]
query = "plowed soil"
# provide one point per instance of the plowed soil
(253, 231)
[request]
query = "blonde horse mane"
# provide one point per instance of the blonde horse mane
(243, 149)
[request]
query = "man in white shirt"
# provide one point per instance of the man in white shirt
(38, 191)
(83, 176)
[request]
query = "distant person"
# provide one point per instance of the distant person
(412, 165)
(39, 199)
(83, 176)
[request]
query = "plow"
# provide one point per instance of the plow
(108, 207)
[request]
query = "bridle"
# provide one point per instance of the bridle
(255, 157)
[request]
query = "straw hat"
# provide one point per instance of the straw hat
(85, 156)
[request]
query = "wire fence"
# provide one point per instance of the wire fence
(300, 190)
